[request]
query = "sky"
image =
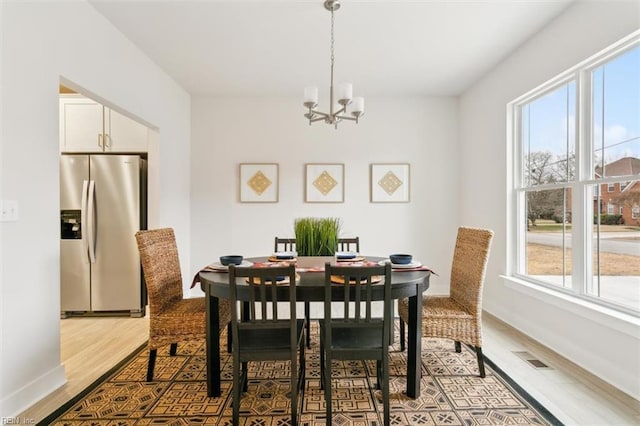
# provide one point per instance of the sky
(550, 120)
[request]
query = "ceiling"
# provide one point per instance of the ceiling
(277, 47)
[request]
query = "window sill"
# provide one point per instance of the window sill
(619, 321)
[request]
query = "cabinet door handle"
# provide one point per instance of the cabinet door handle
(107, 140)
(100, 140)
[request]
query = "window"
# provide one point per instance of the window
(573, 136)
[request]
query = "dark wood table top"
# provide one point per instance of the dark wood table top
(311, 284)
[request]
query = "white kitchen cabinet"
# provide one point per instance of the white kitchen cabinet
(88, 126)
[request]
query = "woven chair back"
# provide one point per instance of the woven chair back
(160, 266)
(469, 266)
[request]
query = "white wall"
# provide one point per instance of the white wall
(42, 42)
(609, 349)
(419, 131)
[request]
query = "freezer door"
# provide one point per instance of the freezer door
(115, 275)
(75, 284)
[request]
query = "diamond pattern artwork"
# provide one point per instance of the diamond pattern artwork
(325, 183)
(451, 392)
(259, 182)
(390, 182)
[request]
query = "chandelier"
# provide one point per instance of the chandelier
(345, 97)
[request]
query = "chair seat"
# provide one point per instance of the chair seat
(436, 306)
(444, 317)
(355, 336)
(186, 318)
(268, 339)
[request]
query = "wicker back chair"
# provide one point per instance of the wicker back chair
(459, 316)
(172, 318)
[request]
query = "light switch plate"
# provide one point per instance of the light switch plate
(9, 211)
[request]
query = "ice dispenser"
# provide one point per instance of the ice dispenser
(70, 225)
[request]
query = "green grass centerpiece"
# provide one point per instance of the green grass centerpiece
(317, 236)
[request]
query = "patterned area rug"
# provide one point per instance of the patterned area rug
(452, 393)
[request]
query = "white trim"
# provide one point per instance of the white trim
(616, 320)
(36, 390)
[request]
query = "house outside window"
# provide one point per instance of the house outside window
(572, 137)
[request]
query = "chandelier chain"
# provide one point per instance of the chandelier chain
(332, 39)
(332, 57)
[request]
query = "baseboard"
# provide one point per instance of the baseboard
(32, 392)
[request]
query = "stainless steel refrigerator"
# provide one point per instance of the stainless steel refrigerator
(102, 206)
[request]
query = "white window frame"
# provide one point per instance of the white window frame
(635, 211)
(584, 185)
(611, 187)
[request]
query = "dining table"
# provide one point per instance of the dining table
(406, 282)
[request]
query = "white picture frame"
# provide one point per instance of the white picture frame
(324, 183)
(390, 183)
(258, 182)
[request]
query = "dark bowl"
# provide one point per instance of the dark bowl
(284, 256)
(401, 259)
(231, 260)
(346, 255)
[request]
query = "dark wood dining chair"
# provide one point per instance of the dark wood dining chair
(172, 318)
(356, 334)
(458, 316)
(284, 244)
(349, 244)
(260, 331)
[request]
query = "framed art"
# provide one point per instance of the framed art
(390, 183)
(324, 183)
(258, 183)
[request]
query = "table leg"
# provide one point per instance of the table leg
(414, 347)
(213, 345)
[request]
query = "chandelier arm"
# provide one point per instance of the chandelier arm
(346, 117)
(323, 114)
(313, 120)
(340, 111)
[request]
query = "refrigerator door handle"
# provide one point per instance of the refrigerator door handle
(83, 220)
(91, 228)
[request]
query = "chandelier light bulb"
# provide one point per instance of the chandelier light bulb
(310, 96)
(345, 93)
(357, 106)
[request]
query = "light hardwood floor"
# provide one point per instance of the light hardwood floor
(90, 346)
